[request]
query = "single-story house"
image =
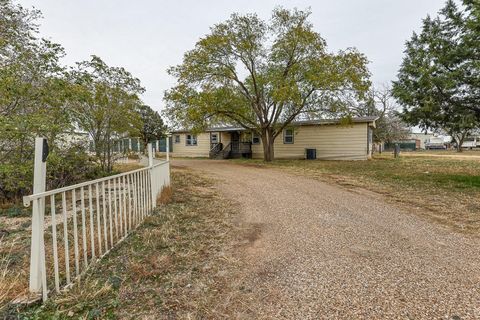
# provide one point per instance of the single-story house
(321, 139)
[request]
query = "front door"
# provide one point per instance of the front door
(235, 141)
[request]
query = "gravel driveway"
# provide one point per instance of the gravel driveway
(322, 252)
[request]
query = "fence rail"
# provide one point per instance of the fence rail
(85, 221)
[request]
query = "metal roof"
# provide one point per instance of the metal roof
(293, 123)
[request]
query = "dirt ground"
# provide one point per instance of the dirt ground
(319, 251)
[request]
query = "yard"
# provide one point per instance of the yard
(443, 188)
(15, 233)
(239, 239)
(176, 265)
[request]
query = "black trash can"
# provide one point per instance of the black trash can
(311, 154)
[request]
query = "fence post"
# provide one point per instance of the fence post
(167, 180)
(167, 146)
(150, 154)
(396, 151)
(38, 278)
(152, 178)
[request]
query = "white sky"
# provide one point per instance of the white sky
(146, 37)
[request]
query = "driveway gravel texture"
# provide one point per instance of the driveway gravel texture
(323, 252)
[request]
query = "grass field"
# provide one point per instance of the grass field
(446, 190)
(466, 152)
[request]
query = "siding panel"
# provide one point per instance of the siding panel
(332, 141)
(335, 142)
(200, 150)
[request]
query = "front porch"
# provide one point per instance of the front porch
(229, 145)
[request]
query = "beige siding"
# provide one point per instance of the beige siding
(335, 142)
(225, 138)
(200, 150)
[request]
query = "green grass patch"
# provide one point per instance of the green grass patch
(419, 172)
(15, 212)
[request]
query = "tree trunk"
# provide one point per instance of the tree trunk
(109, 155)
(460, 140)
(267, 142)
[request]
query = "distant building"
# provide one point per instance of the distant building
(422, 138)
(471, 142)
(419, 141)
(428, 141)
(74, 137)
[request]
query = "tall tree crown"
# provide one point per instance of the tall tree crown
(439, 80)
(262, 75)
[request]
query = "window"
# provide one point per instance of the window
(213, 137)
(177, 138)
(191, 140)
(288, 136)
(255, 138)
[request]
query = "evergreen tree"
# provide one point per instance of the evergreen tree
(439, 79)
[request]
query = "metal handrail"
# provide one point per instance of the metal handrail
(227, 150)
(216, 146)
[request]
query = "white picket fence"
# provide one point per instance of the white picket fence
(85, 221)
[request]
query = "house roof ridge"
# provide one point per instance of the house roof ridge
(299, 122)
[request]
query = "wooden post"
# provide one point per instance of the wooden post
(396, 151)
(38, 277)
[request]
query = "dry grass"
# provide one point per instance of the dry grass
(14, 257)
(466, 152)
(15, 251)
(125, 167)
(15, 232)
(180, 264)
(444, 190)
(7, 281)
(165, 195)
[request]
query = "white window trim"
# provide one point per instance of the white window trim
(256, 135)
(285, 136)
(193, 137)
(214, 134)
(175, 139)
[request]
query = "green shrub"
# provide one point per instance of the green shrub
(65, 167)
(69, 166)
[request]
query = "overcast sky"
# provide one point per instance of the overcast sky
(146, 37)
